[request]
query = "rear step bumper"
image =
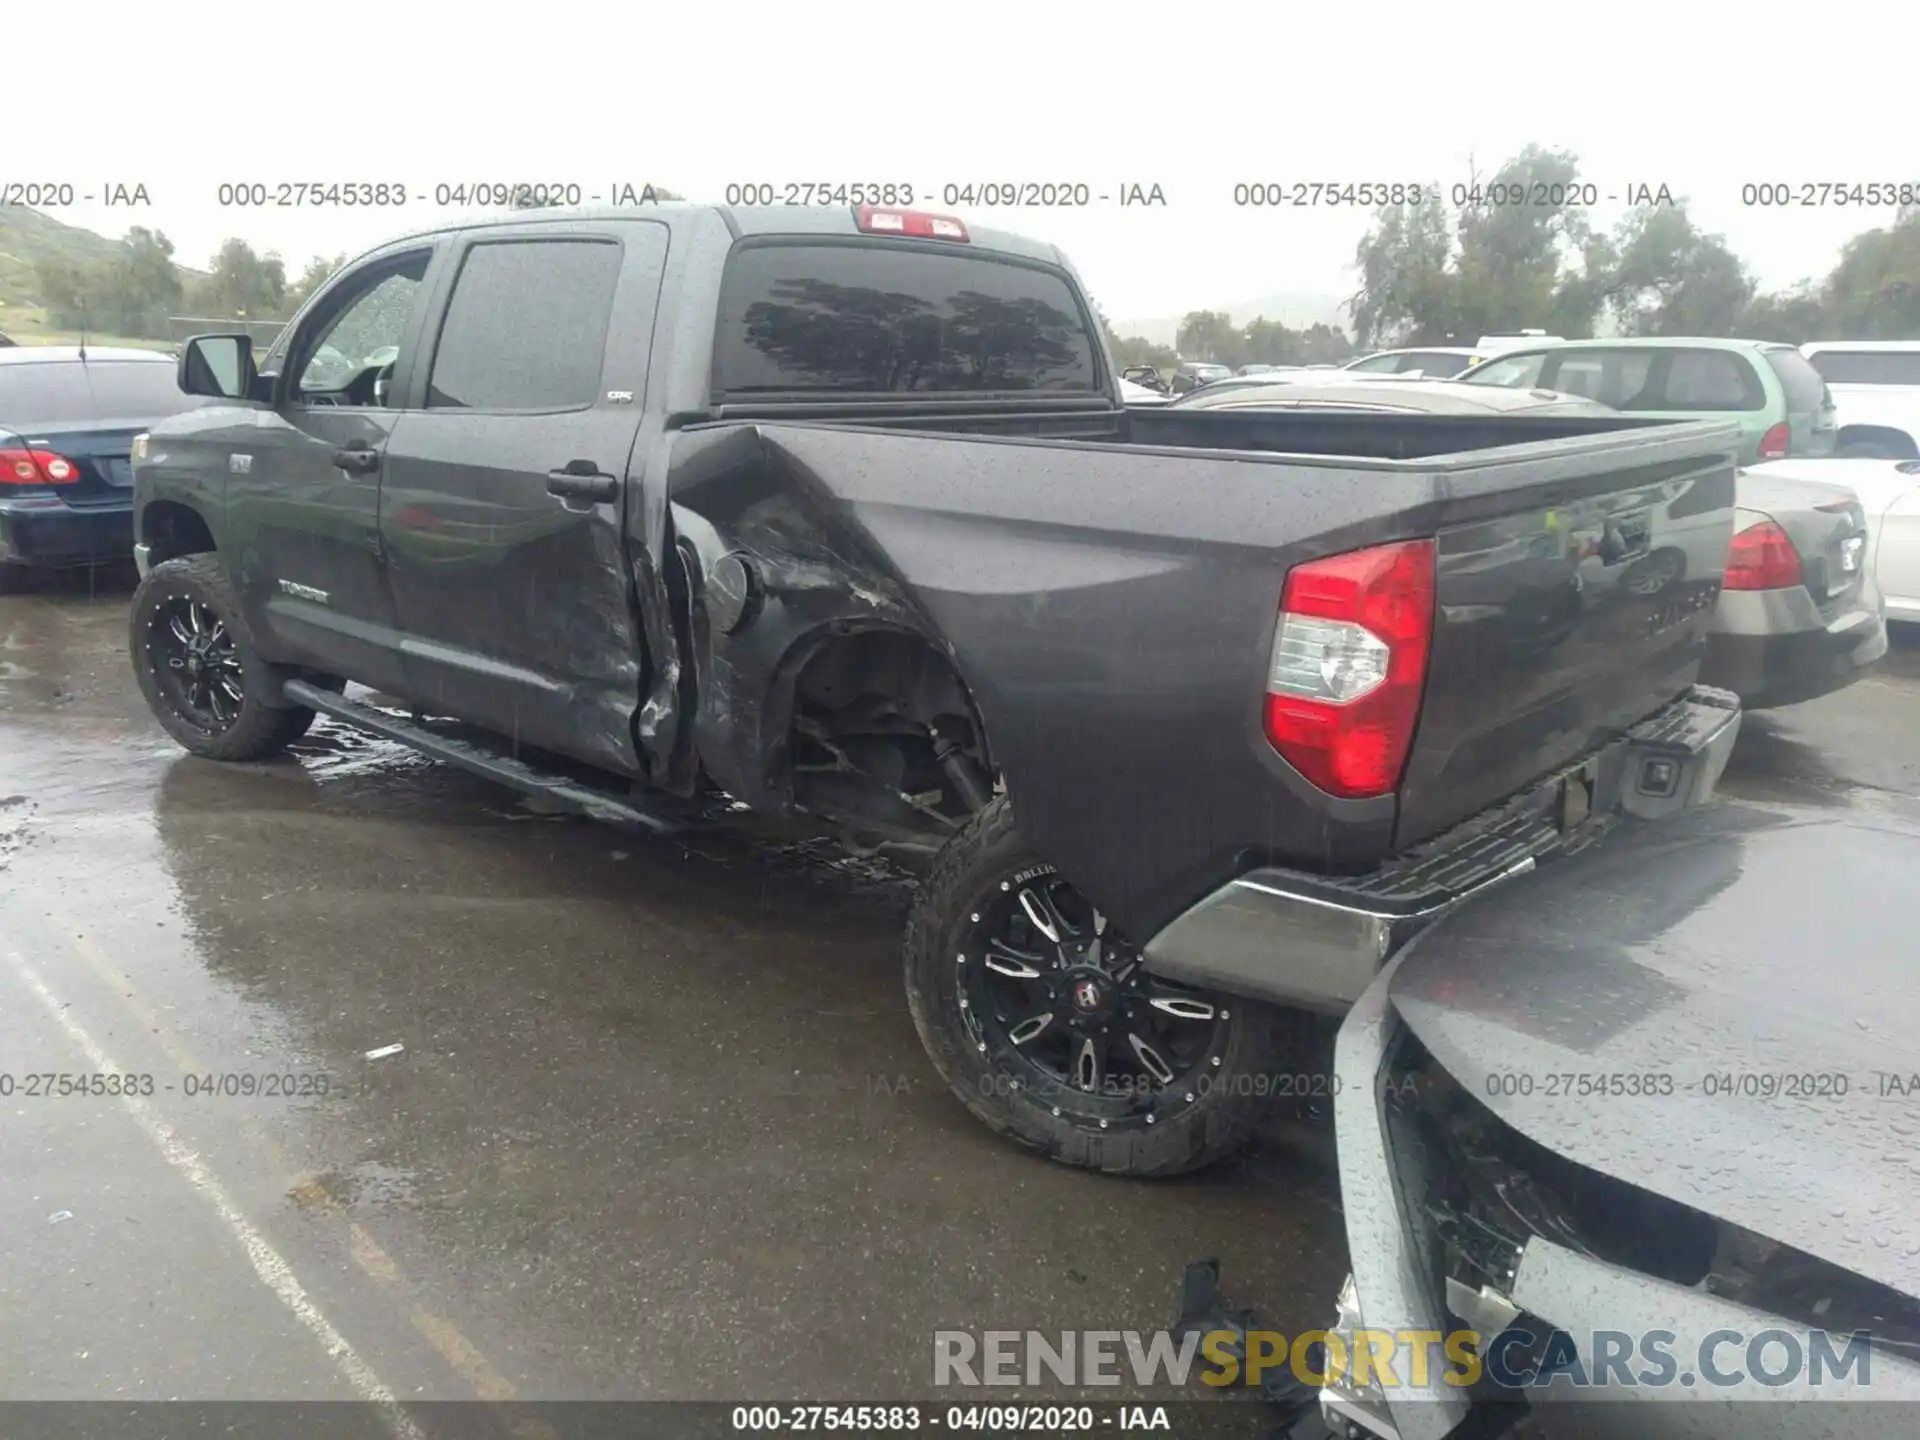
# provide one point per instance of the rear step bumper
(1317, 942)
(558, 790)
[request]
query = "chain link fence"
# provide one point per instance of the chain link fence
(264, 332)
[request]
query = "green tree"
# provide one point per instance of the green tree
(1792, 316)
(1873, 292)
(1670, 278)
(242, 283)
(319, 270)
(1323, 344)
(1406, 294)
(1209, 335)
(141, 287)
(66, 290)
(1513, 266)
(1268, 342)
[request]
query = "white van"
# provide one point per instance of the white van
(1876, 392)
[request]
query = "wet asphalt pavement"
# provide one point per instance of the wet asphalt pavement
(661, 1127)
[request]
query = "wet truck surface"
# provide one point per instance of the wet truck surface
(839, 514)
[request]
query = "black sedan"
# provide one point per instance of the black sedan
(67, 421)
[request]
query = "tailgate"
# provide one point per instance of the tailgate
(1562, 621)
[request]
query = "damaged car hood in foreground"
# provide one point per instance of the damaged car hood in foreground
(1669, 1084)
(1765, 966)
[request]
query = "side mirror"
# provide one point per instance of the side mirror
(220, 366)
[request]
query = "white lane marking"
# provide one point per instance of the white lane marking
(268, 1263)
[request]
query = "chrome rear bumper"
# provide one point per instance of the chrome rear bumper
(1316, 942)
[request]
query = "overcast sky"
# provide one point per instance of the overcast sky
(1194, 98)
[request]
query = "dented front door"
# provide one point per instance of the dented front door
(502, 513)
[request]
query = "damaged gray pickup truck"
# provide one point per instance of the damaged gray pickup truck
(838, 513)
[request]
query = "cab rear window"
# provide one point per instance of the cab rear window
(809, 319)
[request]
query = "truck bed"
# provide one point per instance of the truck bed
(1111, 602)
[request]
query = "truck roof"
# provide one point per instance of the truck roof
(741, 220)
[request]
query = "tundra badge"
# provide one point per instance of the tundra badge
(304, 592)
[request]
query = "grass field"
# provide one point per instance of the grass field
(27, 325)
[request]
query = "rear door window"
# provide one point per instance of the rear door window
(1614, 378)
(1377, 365)
(1708, 380)
(526, 328)
(1866, 367)
(811, 319)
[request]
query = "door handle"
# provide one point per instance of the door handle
(580, 481)
(357, 460)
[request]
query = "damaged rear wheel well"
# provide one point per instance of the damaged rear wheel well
(886, 737)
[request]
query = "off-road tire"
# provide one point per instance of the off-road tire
(266, 724)
(970, 869)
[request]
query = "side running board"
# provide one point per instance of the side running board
(582, 799)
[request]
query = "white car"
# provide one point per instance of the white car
(1433, 362)
(1889, 492)
(1876, 391)
(1132, 394)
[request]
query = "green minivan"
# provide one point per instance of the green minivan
(1779, 400)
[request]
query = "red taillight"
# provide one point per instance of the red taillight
(1773, 444)
(878, 221)
(1348, 666)
(36, 467)
(1762, 558)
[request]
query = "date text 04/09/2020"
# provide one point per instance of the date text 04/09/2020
(102, 1085)
(1007, 1419)
(952, 195)
(1325, 194)
(445, 194)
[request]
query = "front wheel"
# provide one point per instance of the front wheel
(199, 668)
(1045, 1023)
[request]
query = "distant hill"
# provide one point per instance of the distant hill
(1294, 310)
(30, 236)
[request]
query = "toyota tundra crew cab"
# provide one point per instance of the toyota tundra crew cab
(838, 513)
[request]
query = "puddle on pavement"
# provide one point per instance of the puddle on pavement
(15, 813)
(367, 1186)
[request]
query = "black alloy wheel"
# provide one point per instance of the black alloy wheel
(1064, 1004)
(199, 668)
(197, 664)
(1045, 1022)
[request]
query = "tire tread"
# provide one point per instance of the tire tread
(990, 847)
